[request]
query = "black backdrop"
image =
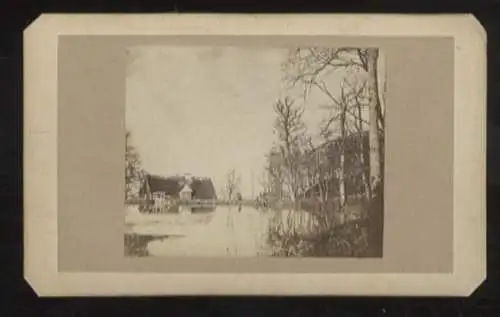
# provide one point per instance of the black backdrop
(17, 298)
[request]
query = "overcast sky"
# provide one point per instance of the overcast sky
(206, 110)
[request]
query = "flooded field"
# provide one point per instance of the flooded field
(217, 231)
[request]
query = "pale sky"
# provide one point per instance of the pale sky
(206, 110)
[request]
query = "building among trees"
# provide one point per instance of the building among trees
(356, 165)
(177, 187)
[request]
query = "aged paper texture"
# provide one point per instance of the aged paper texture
(247, 154)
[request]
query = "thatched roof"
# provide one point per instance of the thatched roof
(202, 188)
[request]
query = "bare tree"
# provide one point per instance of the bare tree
(374, 115)
(232, 183)
(353, 127)
(307, 70)
(307, 66)
(340, 109)
(290, 129)
(357, 91)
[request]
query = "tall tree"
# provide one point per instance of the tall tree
(290, 129)
(340, 109)
(372, 55)
(376, 218)
(358, 99)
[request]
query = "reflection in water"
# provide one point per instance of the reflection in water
(136, 245)
(185, 210)
(234, 231)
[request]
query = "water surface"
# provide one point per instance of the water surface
(217, 231)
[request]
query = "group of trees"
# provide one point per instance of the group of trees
(347, 161)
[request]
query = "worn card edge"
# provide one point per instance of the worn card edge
(40, 156)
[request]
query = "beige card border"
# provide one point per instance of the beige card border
(40, 156)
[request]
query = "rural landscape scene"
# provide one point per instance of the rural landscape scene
(250, 151)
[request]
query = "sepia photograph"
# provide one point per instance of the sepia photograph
(254, 151)
(180, 154)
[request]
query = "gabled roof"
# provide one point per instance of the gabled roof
(186, 188)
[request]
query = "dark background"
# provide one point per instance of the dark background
(17, 298)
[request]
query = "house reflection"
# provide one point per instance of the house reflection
(185, 210)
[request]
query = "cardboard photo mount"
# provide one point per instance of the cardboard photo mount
(47, 264)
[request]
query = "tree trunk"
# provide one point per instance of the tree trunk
(292, 183)
(382, 86)
(376, 221)
(322, 191)
(381, 90)
(342, 187)
(372, 57)
(364, 172)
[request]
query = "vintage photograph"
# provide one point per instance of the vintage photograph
(254, 151)
(254, 155)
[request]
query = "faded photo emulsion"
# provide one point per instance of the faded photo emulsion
(252, 151)
(254, 155)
